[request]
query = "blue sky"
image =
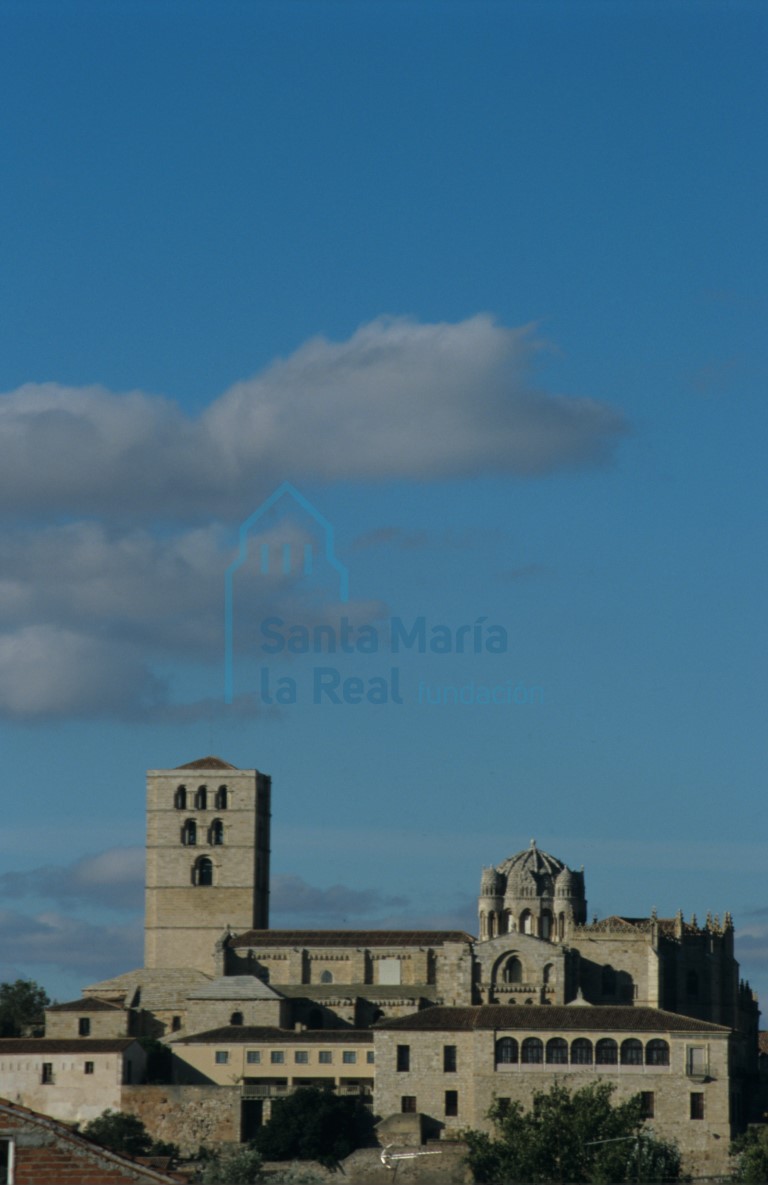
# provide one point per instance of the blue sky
(486, 283)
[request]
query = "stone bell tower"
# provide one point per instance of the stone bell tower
(207, 860)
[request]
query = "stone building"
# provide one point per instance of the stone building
(73, 1080)
(450, 1064)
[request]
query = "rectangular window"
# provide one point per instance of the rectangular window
(451, 1102)
(175, 1024)
(325, 1057)
(646, 1104)
(301, 1056)
(253, 1057)
(449, 1059)
(349, 1057)
(84, 1026)
(403, 1058)
(6, 1162)
(222, 1057)
(277, 1057)
(369, 1057)
(408, 1104)
(89, 1067)
(697, 1104)
(696, 1060)
(47, 1074)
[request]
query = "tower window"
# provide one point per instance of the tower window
(180, 798)
(222, 798)
(217, 833)
(189, 833)
(203, 872)
(201, 798)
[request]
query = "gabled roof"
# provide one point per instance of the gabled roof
(82, 1045)
(272, 938)
(207, 763)
(252, 1034)
(87, 1004)
(93, 1157)
(234, 987)
(531, 1018)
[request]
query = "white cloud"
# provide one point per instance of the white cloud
(291, 895)
(113, 879)
(398, 399)
(70, 944)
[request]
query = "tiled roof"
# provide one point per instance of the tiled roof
(251, 1034)
(88, 1004)
(161, 988)
(532, 1017)
(234, 987)
(354, 991)
(270, 938)
(207, 763)
(84, 1045)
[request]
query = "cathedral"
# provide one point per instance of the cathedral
(429, 1025)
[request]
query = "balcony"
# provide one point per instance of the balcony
(272, 1090)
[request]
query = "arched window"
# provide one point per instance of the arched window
(609, 981)
(581, 1052)
(513, 971)
(545, 928)
(203, 872)
(657, 1053)
(549, 973)
(201, 798)
(216, 833)
(532, 1052)
(631, 1052)
(526, 922)
(189, 833)
(506, 1051)
(606, 1052)
(326, 977)
(557, 1051)
(236, 1018)
(222, 798)
(180, 798)
(561, 926)
(692, 983)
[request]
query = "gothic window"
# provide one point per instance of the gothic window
(203, 872)
(657, 1053)
(326, 977)
(631, 1052)
(513, 971)
(217, 833)
(532, 1053)
(581, 1052)
(606, 1052)
(222, 798)
(609, 981)
(506, 1051)
(180, 798)
(201, 798)
(557, 1051)
(189, 833)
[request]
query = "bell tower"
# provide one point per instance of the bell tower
(207, 860)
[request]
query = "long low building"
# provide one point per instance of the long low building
(449, 1065)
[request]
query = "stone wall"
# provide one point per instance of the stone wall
(187, 1115)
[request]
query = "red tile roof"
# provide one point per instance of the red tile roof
(207, 763)
(269, 938)
(89, 1004)
(532, 1017)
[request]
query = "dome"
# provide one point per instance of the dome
(531, 862)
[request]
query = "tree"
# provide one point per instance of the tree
(579, 1137)
(314, 1124)
(22, 1006)
(120, 1132)
(239, 1166)
(751, 1153)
